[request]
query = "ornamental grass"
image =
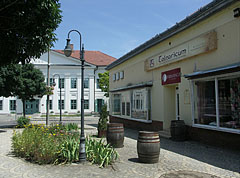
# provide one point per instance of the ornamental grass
(58, 144)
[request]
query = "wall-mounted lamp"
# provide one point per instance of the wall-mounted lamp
(236, 12)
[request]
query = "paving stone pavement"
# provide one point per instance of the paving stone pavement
(177, 159)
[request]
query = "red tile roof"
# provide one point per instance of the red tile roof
(93, 57)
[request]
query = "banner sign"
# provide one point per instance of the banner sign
(171, 76)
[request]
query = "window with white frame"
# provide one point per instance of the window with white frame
(61, 83)
(86, 104)
(122, 75)
(59, 102)
(116, 104)
(97, 84)
(134, 104)
(86, 83)
(73, 104)
(140, 104)
(117, 76)
(50, 104)
(1, 104)
(52, 81)
(12, 105)
(217, 102)
(114, 77)
(73, 82)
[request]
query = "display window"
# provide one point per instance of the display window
(217, 102)
(132, 104)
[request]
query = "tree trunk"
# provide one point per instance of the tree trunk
(24, 107)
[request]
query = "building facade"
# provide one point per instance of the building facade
(189, 72)
(65, 72)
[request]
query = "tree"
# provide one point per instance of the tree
(23, 81)
(104, 82)
(27, 28)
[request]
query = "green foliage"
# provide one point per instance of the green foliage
(22, 122)
(24, 81)
(104, 82)
(27, 28)
(70, 149)
(103, 119)
(71, 126)
(55, 145)
(99, 153)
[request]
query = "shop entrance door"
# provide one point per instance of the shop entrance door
(177, 104)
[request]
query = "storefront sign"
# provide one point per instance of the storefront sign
(202, 44)
(171, 76)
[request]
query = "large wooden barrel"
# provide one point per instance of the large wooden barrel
(178, 130)
(115, 134)
(148, 147)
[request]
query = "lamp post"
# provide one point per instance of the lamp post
(60, 87)
(68, 52)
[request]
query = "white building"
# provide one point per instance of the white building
(69, 70)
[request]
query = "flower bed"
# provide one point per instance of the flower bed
(56, 145)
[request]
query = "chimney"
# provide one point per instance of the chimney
(71, 46)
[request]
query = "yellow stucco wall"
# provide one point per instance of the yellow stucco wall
(163, 97)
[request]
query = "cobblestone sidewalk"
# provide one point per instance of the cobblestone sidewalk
(177, 159)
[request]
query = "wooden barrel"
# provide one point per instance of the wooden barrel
(115, 134)
(148, 147)
(178, 130)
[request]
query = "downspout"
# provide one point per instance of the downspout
(94, 90)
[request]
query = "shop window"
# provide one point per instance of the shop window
(128, 109)
(73, 82)
(140, 104)
(73, 104)
(116, 104)
(220, 113)
(123, 108)
(229, 103)
(86, 104)
(12, 105)
(205, 103)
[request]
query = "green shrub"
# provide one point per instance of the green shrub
(103, 119)
(22, 121)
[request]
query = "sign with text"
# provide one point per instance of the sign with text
(196, 46)
(171, 76)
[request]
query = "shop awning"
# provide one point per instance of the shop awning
(140, 85)
(215, 71)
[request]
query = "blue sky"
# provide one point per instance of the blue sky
(116, 27)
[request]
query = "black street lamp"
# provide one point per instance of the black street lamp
(68, 52)
(60, 87)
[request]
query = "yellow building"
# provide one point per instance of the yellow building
(189, 72)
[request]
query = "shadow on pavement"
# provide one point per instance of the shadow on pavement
(219, 157)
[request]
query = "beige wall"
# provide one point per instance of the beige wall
(163, 97)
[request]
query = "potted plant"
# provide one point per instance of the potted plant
(102, 122)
